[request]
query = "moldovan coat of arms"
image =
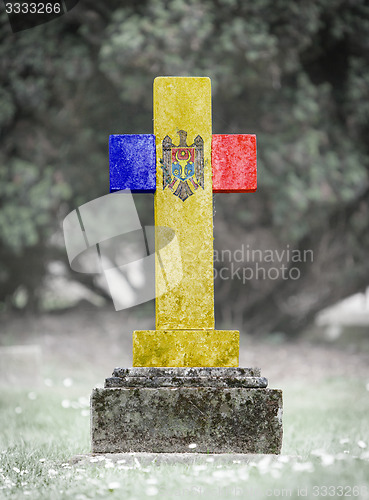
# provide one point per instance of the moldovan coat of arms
(183, 165)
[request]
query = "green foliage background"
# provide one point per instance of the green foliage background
(294, 73)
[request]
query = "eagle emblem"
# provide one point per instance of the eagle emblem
(183, 165)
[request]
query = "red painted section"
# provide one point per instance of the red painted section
(233, 159)
(183, 154)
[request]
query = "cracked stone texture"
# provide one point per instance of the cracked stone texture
(157, 420)
(189, 377)
(255, 382)
(186, 372)
(192, 348)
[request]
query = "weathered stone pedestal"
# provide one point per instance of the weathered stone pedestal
(165, 410)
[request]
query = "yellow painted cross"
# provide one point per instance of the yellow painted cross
(190, 165)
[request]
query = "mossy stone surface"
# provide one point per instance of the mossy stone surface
(168, 420)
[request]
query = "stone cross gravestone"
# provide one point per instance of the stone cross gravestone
(185, 386)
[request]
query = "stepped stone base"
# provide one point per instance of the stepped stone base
(185, 348)
(169, 410)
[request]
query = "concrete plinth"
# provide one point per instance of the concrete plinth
(220, 410)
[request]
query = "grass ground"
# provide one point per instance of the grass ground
(325, 451)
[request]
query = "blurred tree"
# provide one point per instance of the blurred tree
(296, 74)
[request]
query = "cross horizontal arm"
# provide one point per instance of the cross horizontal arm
(233, 159)
(132, 160)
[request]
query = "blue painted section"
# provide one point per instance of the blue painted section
(132, 162)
